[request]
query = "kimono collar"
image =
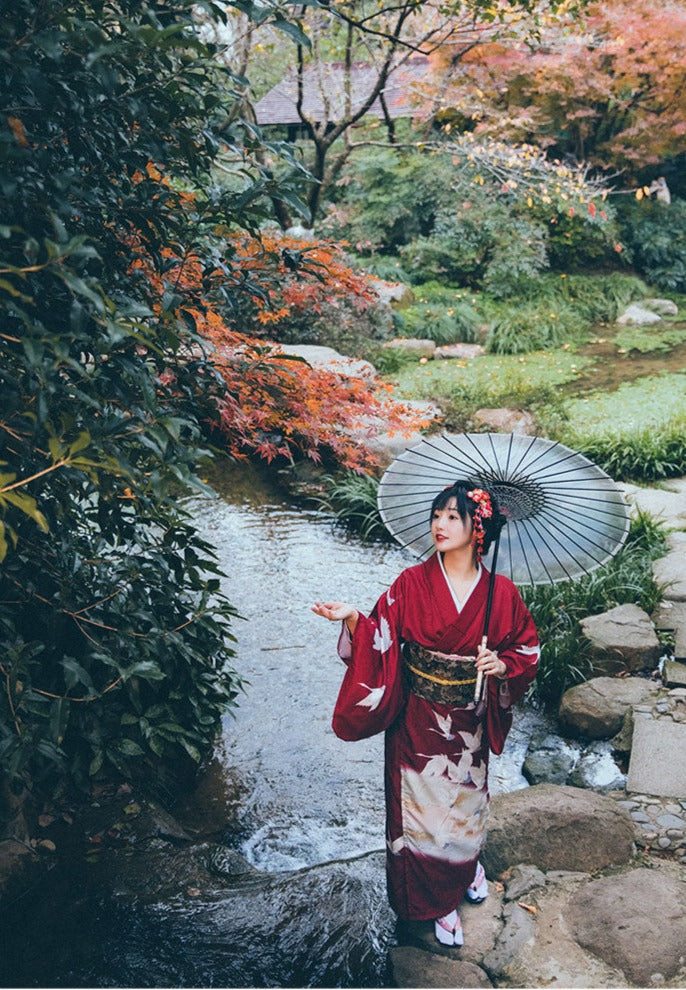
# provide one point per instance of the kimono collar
(459, 605)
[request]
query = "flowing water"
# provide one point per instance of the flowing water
(309, 797)
(297, 802)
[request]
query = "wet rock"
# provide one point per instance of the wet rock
(412, 967)
(635, 315)
(166, 910)
(597, 770)
(636, 921)
(331, 360)
(549, 759)
(464, 352)
(670, 571)
(522, 880)
(505, 420)
(596, 708)
(555, 827)
(413, 346)
(623, 740)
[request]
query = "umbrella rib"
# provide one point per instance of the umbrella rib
(538, 552)
(583, 513)
(476, 465)
(526, 561)
(543, 472)
(566, 535)
(542, 536)
(509, 453)
(608, 526)
(546, 450)
(524, 454)
(493, 451)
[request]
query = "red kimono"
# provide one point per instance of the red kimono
(436, 767)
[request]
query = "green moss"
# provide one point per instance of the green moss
(660, 337)
(654, 401)
(491, 375)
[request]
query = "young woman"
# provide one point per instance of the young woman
(412, 669)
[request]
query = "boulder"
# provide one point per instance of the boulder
(417, 347)
(555, 827)
(464, 352)
(412, 967)
(670, 571)
(330, 359)
(665, 307)
(596, 708)
(395, 294)
(622, 639)
(636, 921)
(505, 420)
(536, 948)
(635, 315)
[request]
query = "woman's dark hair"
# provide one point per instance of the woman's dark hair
(466, 507)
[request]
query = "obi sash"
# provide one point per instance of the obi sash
(449, 679)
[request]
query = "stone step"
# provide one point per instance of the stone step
(657, 765)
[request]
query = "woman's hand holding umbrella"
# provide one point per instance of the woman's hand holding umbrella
(488, 662)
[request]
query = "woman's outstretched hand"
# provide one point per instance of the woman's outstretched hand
(338, 612)
(488, 662)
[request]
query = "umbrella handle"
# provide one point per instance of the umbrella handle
(479, 677)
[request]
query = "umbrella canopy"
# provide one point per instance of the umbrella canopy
(565, 516)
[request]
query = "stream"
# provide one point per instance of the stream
(310, 798)
(304, 808)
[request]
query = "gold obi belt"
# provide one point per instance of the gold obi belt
(446, 678)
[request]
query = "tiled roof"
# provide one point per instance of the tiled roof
(324, 92)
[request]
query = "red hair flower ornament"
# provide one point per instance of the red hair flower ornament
(483, 510)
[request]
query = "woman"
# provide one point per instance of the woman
(412, 668)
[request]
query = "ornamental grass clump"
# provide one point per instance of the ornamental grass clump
(351, 498)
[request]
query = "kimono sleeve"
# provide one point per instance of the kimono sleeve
(372, 696)
(520, 652)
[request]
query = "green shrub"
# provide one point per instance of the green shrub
(557, 609)
(655, 234)
(533, 328)
(647, 454)
(443, 324)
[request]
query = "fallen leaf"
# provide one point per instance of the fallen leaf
(500, 887)
(132, 809)
(47, 844)
(45, 820)
(193, 891)
(528, 907)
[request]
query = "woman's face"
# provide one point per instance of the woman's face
(448, 530)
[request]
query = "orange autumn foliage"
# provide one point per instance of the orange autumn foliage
(608, 88)
(273, 405)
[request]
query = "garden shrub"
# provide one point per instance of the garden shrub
(655, 234)
(454, 323)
